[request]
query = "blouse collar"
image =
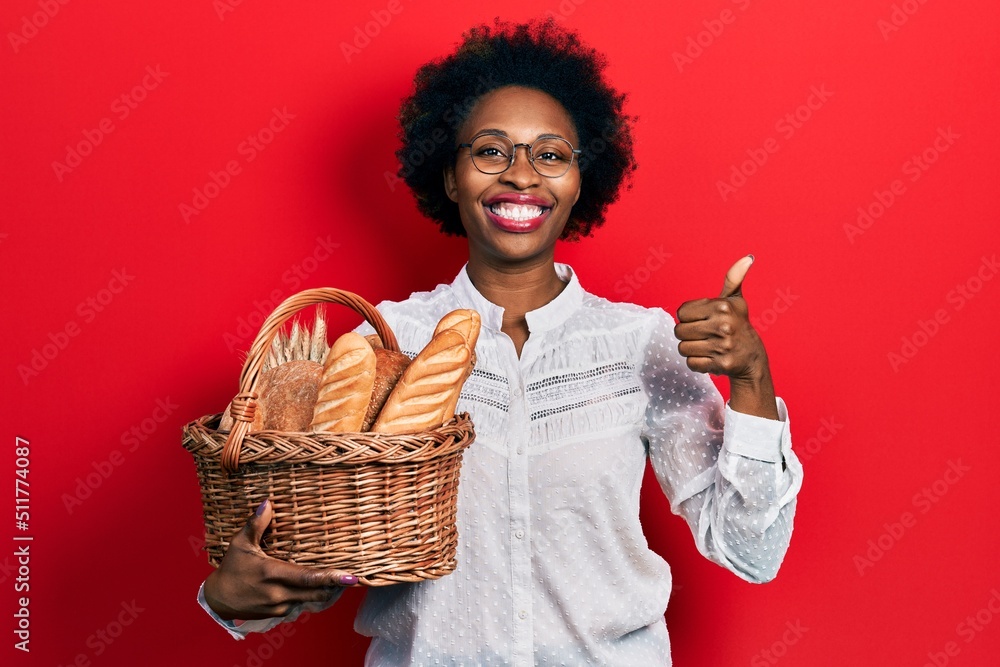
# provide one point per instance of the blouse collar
(549, 316)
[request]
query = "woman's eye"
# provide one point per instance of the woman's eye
(491, 151)
(551, 151)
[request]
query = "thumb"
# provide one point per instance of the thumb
(734, 277)
(255, 526)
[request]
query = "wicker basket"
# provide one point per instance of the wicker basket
(381, 507)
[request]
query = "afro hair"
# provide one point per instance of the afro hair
(539, 55)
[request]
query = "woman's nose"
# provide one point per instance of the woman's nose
(521, 173)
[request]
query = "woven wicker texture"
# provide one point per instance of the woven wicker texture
(381, 507)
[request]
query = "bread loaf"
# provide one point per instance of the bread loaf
(389, 367)
(466, 322)
(428, 386)
(346, 386)
(286, 394)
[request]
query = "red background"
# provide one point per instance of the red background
(832, 304)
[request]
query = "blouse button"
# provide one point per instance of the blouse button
(519, 533)
(522, 614)
(520, 450)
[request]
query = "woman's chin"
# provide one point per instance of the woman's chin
(519, 250)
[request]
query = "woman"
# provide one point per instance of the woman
(570, 395)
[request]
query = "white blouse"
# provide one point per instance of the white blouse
(553, 567)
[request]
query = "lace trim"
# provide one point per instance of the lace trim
(541, 414)
(487, 388)
(567, 378)
(569, 391)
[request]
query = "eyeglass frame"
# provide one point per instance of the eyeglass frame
(574, 153)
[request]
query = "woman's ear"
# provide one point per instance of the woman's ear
(450, 186)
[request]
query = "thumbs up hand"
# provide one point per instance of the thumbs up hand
(715, 336)
(733, 285)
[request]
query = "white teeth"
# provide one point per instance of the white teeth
(516, 211)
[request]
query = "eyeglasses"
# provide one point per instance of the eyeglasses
(551, 157)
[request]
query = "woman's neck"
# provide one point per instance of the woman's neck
(518, 289)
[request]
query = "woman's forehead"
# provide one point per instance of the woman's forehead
(520, 113)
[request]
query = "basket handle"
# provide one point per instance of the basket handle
(245, 403)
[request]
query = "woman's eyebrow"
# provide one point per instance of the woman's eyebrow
(495, 132)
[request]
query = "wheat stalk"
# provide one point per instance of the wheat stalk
(301, 343)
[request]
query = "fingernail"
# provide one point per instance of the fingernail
(347, 580)
(260, 508)
(751, 258)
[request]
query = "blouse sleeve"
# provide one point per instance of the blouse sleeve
(732, 476)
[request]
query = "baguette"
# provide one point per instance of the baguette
(468, 323)
(346, 386)
(428, 386)
(465, 321)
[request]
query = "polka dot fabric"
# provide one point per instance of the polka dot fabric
(553, 567)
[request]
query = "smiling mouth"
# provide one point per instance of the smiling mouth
(516, 212)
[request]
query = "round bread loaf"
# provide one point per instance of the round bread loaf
(286, 395)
